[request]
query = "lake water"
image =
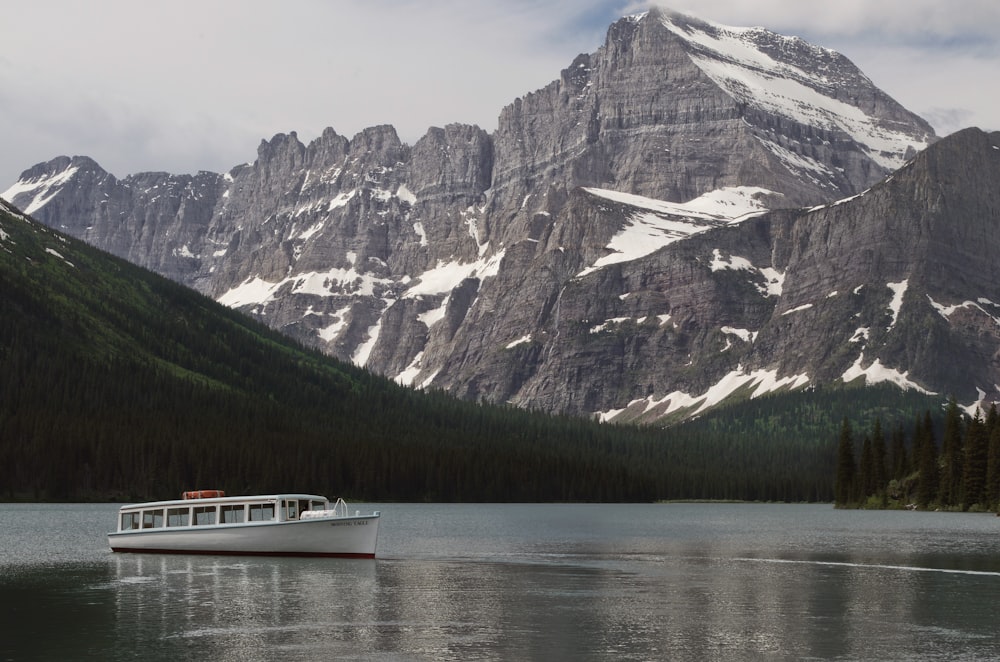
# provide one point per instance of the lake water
(521, 582)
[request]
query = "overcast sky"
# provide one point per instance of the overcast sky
(190, 85)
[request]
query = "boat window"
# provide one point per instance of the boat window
(204, 515)
(130, 521)
(317, 505)
(291, 509)
(178, 516)
(152, 518)
(261, 512)
(233, 514)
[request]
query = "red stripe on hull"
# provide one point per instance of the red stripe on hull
(215, 552)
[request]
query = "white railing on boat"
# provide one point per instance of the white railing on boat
(339, 509)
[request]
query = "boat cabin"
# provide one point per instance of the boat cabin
(222, 510)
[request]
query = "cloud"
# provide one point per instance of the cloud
(896, 20)
(186, 85)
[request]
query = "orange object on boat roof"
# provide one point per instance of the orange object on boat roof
(204, 494)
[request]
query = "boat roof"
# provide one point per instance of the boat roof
(255, 498)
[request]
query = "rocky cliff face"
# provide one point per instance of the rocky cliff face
(153, 219)
(897, 284)
(602, 251)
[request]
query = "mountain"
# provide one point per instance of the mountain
(654, 231)
(116, 383)
(896, 284)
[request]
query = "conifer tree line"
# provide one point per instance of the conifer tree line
(951, 466)
(77, 431)
(117, 384)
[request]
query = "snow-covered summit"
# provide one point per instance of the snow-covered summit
(38, 186)
(809, 84)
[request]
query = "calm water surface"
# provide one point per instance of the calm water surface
(521, 582)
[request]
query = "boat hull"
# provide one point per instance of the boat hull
(346, 537)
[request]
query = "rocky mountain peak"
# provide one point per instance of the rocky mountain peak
(608, 250)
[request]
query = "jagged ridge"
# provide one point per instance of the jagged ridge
(482, 263)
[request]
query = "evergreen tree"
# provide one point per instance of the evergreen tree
(879, 476)
(975, 465)
(866, 471)
(845, 480)
(949, 493)
(927, 462)
(899, 460)
(992, 490)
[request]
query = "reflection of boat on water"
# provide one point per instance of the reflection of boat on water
(208, 522)
(186, 606)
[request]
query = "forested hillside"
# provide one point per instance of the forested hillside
(954, 466)
(118, 384)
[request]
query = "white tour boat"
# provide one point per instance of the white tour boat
(208, 522)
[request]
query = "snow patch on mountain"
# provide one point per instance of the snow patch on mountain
(406, 195)
(42, 188)
(608, 324)
(411, 371)
(743, 334)
(980, 405)
(797, 309)
(721, 262)
(876, 373)
(341, 200)
(309, 232)
(898, 290)
(331, 332)
(54, 252)
(774, 280)
(520, 341)
(760, 381)
(471, 216)
(409, 375)
(418, 227)
(837, 203)
(364, 350)
(805, 166)
(256, 290)
(657, 223)
(729, 204)
(947, 311)
(446, 276)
